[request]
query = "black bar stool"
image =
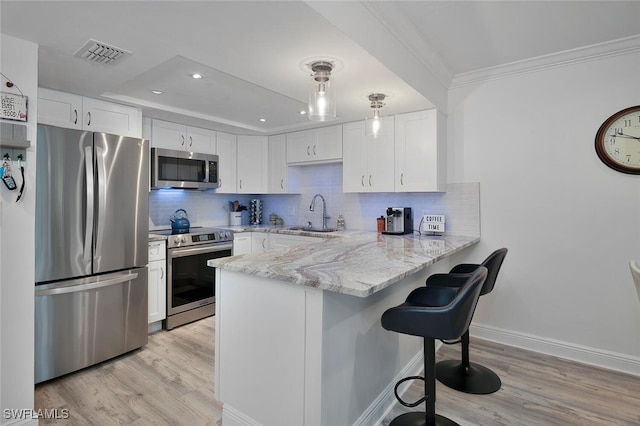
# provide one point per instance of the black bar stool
(437, 312)
(463, 375)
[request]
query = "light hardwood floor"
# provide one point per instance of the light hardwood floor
(170, 382)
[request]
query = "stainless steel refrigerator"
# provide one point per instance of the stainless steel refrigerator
(92, 230)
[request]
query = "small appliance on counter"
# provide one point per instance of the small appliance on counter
(399, 221)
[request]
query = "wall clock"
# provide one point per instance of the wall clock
(618, 141)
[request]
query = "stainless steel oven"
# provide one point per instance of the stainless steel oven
(190, 282)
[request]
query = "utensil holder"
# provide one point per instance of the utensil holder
(235, 218)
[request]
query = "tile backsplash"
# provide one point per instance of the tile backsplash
(460, 204)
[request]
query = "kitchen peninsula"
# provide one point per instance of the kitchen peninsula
(298, 335)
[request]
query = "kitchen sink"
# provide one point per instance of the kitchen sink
(306, 228)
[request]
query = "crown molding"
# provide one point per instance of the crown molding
(624, 46)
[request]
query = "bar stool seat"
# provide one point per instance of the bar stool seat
(437, 312)
(463, 375)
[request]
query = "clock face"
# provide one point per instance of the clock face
(618, 141)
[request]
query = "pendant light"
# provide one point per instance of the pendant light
(322, 97)
(373, 125)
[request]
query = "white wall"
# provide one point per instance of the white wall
(571, 224)
(19, 62)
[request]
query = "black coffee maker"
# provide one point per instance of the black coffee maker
(399, 221)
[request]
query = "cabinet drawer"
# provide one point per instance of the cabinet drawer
(157, 251)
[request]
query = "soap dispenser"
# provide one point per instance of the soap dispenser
(340, 222)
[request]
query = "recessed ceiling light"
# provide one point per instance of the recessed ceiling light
(196, 75)
(303, 112)
(157, 92)
(263, 119)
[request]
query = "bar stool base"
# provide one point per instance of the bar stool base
(476, 379)
(418, 418)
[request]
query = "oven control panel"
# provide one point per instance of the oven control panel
(198, 238)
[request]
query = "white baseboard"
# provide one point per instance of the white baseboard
(233, 417)
(584, 354)
(382, 405)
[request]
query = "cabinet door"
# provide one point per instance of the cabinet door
(165, 134)
(277, 166)
(328, 143)
(252, 164)
(284, 240)
(59, 109)
(241, 243)
(354, 161)
(259, 242)
(299, 147)
(157, 291)
(420, 152)
(157, 281)
(200, 140)
(226, 148)
(380, 158)
(101, 116)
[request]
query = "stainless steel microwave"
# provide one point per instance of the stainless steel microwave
(183, 169)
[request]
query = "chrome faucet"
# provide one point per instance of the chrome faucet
(324, 209)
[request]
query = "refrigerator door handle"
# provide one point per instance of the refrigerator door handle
(102, 201)
(76, 286)
(88, 227)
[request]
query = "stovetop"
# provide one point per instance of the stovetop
(195, 236)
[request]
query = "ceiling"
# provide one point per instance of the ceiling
(254, 55)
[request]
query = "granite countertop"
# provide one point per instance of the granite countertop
(156, 237)
(359, 263)
(285, 230)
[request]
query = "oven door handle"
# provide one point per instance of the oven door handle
(190, 251)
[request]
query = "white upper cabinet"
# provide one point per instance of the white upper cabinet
(279, 172)
(252, 164)
(77, 112)
(227, 151)
(168, 135)
(323, 145)
(368, 164)
(420, 152)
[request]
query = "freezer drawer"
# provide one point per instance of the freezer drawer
(82, 322)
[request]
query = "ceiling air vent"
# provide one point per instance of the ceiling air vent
(102, 53)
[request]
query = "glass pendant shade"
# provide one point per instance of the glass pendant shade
(322, 97)
(374, 125)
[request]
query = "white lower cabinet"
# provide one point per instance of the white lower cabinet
(259, 242)
(157, 281)
(286, 240)
(241, 243)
